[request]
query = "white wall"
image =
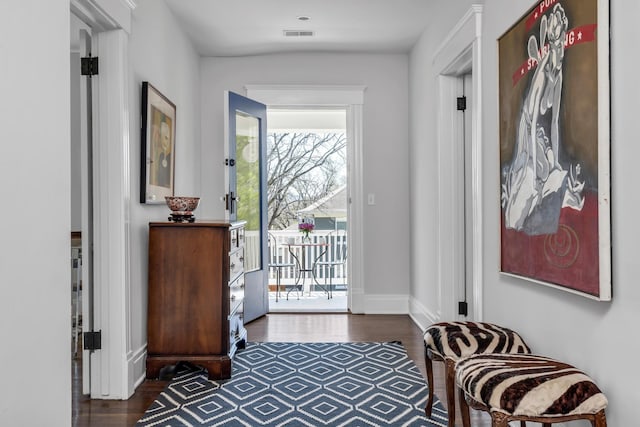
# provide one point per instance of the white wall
(595, 336)
(35, 310)
(386, 236)
(161, 54)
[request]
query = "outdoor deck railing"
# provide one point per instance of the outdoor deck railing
(279, 254)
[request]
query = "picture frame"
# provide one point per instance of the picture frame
(554, 123)
(158, 136)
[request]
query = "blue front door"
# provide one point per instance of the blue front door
(246, 198)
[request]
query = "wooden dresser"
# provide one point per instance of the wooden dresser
(196, 293)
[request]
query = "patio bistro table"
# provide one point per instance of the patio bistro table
(302, 269)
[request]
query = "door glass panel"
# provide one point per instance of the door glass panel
(248, 186)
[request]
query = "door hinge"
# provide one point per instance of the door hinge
(462, 103)
(92, 340)
(463, 309)
(89, 66)
(229, 162)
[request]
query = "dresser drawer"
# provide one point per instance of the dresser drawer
(235, 327)
(241, 237)
(236, 238)
(236, 296)
(233, 238)
(236, 263)
(237, 332)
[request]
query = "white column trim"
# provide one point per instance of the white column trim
(476, 172)
(355, 212)
(112, 221)
(351, 97)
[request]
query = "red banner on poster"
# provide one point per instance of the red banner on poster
(539, 11)
(576, 36)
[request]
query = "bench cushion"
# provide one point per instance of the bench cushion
(528, 385)
(455, 340)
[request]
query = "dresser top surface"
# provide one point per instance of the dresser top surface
(199, 223)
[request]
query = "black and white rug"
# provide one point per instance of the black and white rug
(302, 384)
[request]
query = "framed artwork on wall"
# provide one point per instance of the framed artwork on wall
(158, 136)
(554, 107)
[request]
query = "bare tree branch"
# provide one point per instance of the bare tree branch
(302, 169)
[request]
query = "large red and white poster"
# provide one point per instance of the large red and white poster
(554, 146)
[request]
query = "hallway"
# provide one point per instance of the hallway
(274, 328)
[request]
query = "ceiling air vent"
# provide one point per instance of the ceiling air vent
(298, 33)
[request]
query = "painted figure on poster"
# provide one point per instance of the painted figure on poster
(535, 185)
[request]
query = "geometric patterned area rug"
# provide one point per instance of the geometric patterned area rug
(302, 384)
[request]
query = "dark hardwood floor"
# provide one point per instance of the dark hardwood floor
(274, 328)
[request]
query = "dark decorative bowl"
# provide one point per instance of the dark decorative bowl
(181, 205)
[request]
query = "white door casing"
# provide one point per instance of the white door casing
(467, 192)
(86, 190)
(352, 99)
(112, 365)
(459, 54)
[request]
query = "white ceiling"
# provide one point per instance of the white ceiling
(252, 27)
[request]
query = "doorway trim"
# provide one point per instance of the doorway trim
(459, 54)
(113, 369)
(352, 99)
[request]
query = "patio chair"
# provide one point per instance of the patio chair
(337, 256)
(274, 262)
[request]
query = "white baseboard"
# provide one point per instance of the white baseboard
(136, 367)
(420, 314)
(362, 303)
(385, 304)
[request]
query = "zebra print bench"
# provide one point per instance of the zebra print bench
(450, 342)
(527, 388)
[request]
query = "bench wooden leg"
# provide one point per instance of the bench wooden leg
(600, 420)
(430, 385)
(498, 419)
(464, 409)
(450, 383)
